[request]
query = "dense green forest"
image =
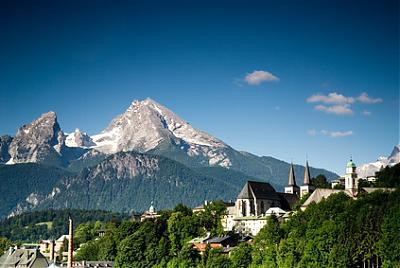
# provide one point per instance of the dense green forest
(35, 226)
(18, 181)
(337, 232)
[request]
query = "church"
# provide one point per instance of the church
(259, 200)
(351, 189)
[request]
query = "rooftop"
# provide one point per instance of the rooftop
(261, 190)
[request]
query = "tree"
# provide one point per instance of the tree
(266, 243)
(210, 218)
(389, 177)
(217, 260)
(241, 256)
(180, 229)
(320, 182)
(88, 251)
(107, 249)
(387, 247)
(4, 244)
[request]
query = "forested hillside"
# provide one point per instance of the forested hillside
(35, 226)
(17, 182)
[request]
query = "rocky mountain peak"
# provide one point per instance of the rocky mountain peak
(146, 124)
(79, 139)
(394, 157)
(31, 140)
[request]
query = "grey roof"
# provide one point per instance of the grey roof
(307, 177)
(288, 200)
(218, 239)
(261, 190)
(26, 258)
(319, 194)
(292, 178)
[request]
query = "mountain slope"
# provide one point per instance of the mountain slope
(147, 126)
(130, 180)
(5, 142)
(26, 183)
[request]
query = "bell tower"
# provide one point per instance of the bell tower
(292, 187)
(351, 177)
(306, 187)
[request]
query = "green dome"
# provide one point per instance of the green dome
(351, 164)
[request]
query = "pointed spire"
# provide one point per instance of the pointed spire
(307, 177)
(292, 179)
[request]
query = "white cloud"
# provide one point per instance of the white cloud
(335, 109)
(335, 103)
(257, 77)
(366, 113)
(332, 134)
(364, 98)
(331, 98)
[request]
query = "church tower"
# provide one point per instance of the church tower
(292, 188)
(350, 177)
(306, 187)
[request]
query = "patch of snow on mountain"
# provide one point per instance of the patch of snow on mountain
(78, 139)
(369, 169)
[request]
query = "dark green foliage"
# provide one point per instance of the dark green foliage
(159, 243)
(4, 244)
(140, 248)
(217, 260)
(320, 182)
(27, 227)
(241, 256)
(389, 177)
(19, 180)
(337, 232)
(181, 228)
(210, 217)
(88, 251)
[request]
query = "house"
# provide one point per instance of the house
(23, 258)
(225, 243)
(51, 249)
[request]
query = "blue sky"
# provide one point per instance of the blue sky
(322, 76)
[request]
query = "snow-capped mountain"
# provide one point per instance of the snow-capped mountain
(79, 139)
(147, 124)
(369, 169)
(145, 127)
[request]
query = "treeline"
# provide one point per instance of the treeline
(337, 232)
(155, 243)
(38, 225)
